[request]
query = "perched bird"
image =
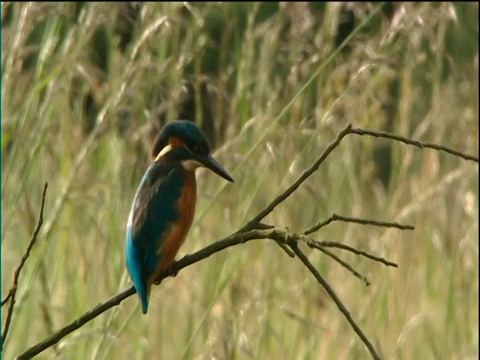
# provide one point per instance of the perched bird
(164, 205)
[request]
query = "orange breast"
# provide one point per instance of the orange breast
(178, 232)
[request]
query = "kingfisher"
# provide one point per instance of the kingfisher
(164, 204)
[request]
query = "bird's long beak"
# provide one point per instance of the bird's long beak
(209, 162)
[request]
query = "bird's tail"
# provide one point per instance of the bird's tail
(144, 293)
(135, 270)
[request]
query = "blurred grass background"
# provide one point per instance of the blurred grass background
(86, 87)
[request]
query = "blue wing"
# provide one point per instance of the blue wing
(153, 210)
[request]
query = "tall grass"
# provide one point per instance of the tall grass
(85, 88)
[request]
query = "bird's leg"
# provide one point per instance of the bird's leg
(171, 270)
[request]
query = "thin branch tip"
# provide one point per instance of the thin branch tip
(418, 144)
(13, 290)
(336, 299)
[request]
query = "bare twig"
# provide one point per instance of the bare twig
(279, 236)
(279, 199)
(336, 217)
(419, 144)
(4, 301)
(188, 260)
(322, 244)
(335, 298)
(347, 130)
(82, 320)
(13, 291)
(345, 265)
(7, 297)
(287, 250)
(283, 238)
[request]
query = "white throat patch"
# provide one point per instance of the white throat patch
(191, 165)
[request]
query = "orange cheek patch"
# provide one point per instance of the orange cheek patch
(175, 142)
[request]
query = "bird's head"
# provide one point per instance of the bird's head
(182, 141)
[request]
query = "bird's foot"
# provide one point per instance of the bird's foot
(171, 270)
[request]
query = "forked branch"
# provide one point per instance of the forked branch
(288, 241)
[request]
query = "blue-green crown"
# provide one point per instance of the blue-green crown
(187, 132)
